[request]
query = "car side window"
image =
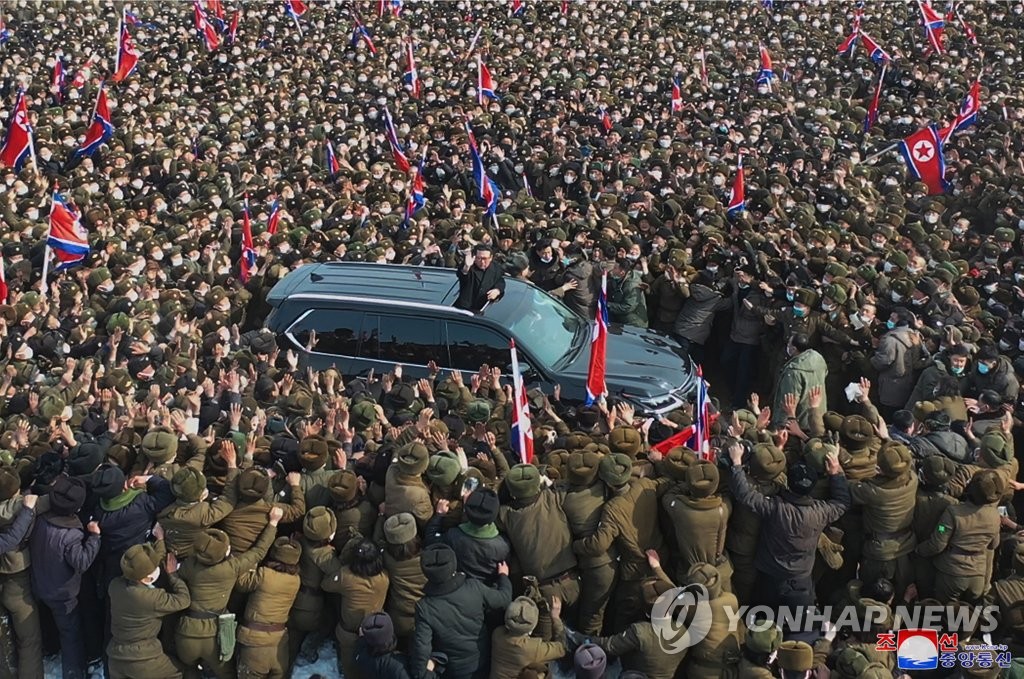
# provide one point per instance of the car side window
(337, 331)
(471, 346)
(402, 339)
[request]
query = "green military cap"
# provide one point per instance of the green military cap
(1005, 235)
(898, 258)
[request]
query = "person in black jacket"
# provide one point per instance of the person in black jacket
(479, 282)
(451, 618)
(61, 551)
(375, 650)
(791, 523)
(476, 541)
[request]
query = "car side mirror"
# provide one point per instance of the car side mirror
(525, 369)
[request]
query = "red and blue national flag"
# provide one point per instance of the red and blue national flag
(127, 55)
(361, 34)
(206, 30)
(700, 438)
(933, 26)
(233, 28)
(17, 144)
(872, 117)
(488, 189)
(597, 387)
(100, 130)
(275, 217)
(923, 153)
(295, 8)
(59, 74)
(67, 237)
(417, 197)
(677, 97)
(875, 51)
(485, 83)
(848, 46)
(737, 198)
(333, 167)
(247, 263)
(397, 152)
(968, 114)
(521, 433)
(411, 76)
(766, 74)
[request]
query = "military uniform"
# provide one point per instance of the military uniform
(318, 561)
(183, 520)
(360, 597)
(16, 596)
(263, 636)
(247, 520)
(964, 540)
(931, 503)
(701, 521)
(210, 576)
(514, 646)
(582, 503)
(767, 467)
(136, 613)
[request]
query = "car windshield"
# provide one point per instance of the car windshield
(548, 330)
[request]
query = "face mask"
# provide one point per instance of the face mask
(656, 175)
(633, 213)
(959, 230)
(664, 143)
(106, 287)
(632, 257)
(799, 312)
(712, 269)
(983, 368)
(991, 260)
(778, 190)
(718, 180)
(789, 295)
(546, 260)
(887, 267)
(891, 324)
(822, 207)
(827, 307)
(956, 370)
(919, 302)
(931, 218)
(570, 179)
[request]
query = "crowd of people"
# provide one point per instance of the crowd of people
(180, 497)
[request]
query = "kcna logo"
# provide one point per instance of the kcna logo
(681, 617)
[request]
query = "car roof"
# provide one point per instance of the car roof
(419, 284)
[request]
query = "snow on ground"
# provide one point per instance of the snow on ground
(326, 665)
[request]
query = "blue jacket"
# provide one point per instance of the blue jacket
(61, 551)
(129, 525)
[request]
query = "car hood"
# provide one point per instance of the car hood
(639, 363)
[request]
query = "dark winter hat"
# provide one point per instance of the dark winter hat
(996, 449)
(894, 460)
(481, 507)
(211, 546)
(937, 470)
(767, 461)
(10, 484)
(763, 638)
(286, 550)
(985, 488)
(67, 495)
(400, 528)
(343, 486)
(313, 452)
(188, 484)
(702, 479)
(253, 483)
(856, 430)
(413, 458)
(438, 563)
(319, 524)
(582, 467)
(139, 561)
(107, 482)
(378, 630)
(590, 662)
(478, 411)
(523, 481)
(801, 478)
(521, 616)
(615, 470)
(85, 458)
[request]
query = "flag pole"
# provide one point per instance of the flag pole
(117, 39)
(479, 82)
(880, 154)
(46, 251)
(295, 16)
(472, 43)
(32, 147)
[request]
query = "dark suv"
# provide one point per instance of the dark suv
(372, 316)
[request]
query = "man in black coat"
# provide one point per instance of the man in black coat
(476, 541)
(479, 282)
(451, 618)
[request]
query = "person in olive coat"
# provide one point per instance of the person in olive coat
(211, 575)
(451, 618)
(402, 563)
(362, 585)
(514, 645)
(319, 560)
(263, 635)
(137, 608)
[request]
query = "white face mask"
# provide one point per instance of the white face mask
(718, 180)
(151, 578)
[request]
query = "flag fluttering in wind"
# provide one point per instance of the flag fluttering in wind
(233, 28)
(59, 75)
(923, 153)
(597, 387)
(397, 152)
(737, 197)
(875, 51)
(333, 167)
(521, 433)
(677, 97)
(83, 73)
(275, 217)
(411, 76)
(485, 84)
(766, 74)
(100, 131)
(361, 34)
(207, 31)
(933, 26)
(247, 262)
(67, 238)
(488, 190)
(127, 54)
(968, 114)
(17, 144)
(417, 197)
(872, 117)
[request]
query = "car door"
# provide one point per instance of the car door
(471, 345)
(327, 337)
(409, 340)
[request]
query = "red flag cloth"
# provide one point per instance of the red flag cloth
(923, 153)
(681, 438)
